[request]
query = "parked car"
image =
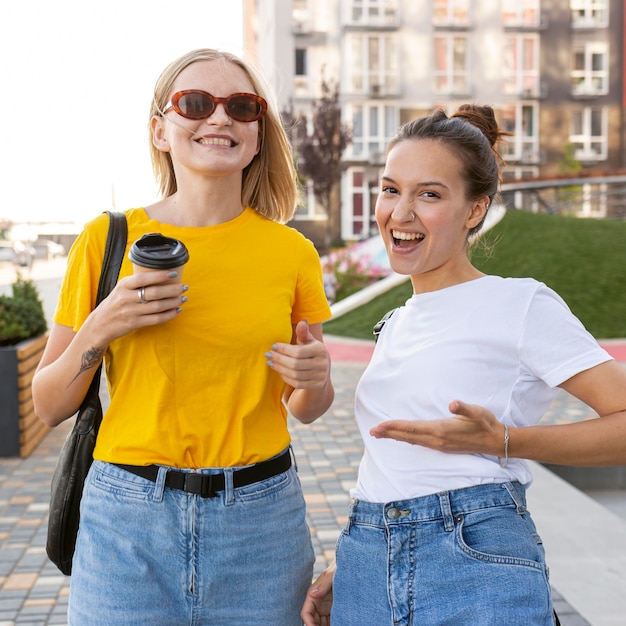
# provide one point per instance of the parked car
(50, 249)
(23, 254)
(6, 252)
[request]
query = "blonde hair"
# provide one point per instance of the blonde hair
(270, 184)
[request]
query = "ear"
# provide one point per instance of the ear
(159, 140)
(477, 212)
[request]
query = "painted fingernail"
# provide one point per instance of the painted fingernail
(172, 274)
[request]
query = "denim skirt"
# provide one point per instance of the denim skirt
(150, 555)
(465, 557)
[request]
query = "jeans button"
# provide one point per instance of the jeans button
(393, 513)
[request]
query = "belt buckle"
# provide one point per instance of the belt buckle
(200, 484)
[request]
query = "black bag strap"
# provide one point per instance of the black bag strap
(111, 264)
(379, 325)
(113, 254)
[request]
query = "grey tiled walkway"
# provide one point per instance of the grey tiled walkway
(34, 593)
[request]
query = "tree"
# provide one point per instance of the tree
(569, 198)
(318, 152)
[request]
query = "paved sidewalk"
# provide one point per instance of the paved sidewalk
(34, 593)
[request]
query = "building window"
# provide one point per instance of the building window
(590, 13)
(373, 12)
(301, 16)
(374, 64)
(451, 12)
(522, 120)
(373, 126)
(451, 65)
(520, 13)
(301, 62)
(361, 188)
(590, 73)
(589, 134)
(309, 208)
(521, 65)
(301, 78)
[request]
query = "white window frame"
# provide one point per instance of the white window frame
(517, 13)
(451, 13)
(367, 143)
(518, 78)
(521, 119)
(456, 79)
(309, 209)
(368, 190)
(301, 16)
(373, 76)
(589, 13)
(588, 81)
(587, 146)
(301, 86)
(371, 12)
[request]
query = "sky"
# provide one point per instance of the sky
(76, 80)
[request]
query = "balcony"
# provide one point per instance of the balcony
(385, 20)
(539, 21)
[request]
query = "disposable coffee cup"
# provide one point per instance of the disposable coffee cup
(157, 252)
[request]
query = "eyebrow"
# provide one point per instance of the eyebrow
(426, 183)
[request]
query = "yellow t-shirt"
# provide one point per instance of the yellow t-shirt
(197, 391)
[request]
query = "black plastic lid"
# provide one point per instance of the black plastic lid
(158, 252)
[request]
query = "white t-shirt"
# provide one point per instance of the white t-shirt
(501, 343)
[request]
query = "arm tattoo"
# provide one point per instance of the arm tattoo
(90, 359)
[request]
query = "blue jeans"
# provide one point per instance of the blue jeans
(155, 556)
(458, 558)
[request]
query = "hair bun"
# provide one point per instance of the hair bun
(483, 117)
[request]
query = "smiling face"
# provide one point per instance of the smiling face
(424, 215)
(214, 146)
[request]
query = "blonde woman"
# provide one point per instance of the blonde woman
(192, 512)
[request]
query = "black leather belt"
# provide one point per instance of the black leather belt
(206, 485)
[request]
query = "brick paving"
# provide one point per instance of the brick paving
(34, 593)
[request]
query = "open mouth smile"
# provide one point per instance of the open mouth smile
(406, 240)
(216, 141)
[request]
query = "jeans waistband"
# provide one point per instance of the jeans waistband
(441, 505)
(206, 485)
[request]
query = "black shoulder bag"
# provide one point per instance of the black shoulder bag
(76, 455)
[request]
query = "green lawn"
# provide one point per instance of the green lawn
(584, 260)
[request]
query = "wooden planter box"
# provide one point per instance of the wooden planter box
(21, 430)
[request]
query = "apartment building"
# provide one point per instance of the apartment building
(552, 69)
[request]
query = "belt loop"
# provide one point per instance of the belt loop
(446, 510)
(518, 495)
(293, 457)
(229, 489)
(159, 485)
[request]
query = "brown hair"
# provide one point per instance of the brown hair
(269, 182)
(473, 134)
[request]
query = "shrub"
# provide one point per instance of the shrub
(352, 273)
(21, 314)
